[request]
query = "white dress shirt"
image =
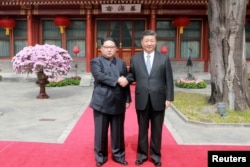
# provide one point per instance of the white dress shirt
(151, 58)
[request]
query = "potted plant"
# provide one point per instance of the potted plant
(45, 60)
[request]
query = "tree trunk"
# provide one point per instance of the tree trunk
(227, 53)
(42, 81)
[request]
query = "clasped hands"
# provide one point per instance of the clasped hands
(122, 81)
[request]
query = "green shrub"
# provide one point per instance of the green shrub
(65, 82)
(191, 84)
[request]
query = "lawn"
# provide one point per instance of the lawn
(195, 107)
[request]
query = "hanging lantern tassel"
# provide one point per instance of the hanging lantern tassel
(181, 29)
(61, 29)
(7, 31)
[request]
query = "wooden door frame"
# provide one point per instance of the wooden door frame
(124, 53)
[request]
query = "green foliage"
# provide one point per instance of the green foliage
(65, 82)
(191, 104)
(191, 85)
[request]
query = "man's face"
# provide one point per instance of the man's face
(108, 49)
(148, 43)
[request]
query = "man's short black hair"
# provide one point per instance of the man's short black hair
(148, 32)
(108, 39)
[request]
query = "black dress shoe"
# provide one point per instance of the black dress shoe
(139, 162)
(157, 164)
(122, 161)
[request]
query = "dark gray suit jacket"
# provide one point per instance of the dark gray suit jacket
(159, 84)
(108, 97)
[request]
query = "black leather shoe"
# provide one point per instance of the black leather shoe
(139, 162)
(122, 161)
(157, 164)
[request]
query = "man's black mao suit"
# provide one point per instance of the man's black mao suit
(108, 102)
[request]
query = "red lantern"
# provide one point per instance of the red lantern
(164, 49)
(76, 49)
(181, 22)
(61, 22)
(7, 24)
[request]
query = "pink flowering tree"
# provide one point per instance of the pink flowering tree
(50, 59)
(45, 60)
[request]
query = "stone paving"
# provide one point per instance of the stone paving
(25, 118)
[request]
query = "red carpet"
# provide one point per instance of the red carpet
(77, 151)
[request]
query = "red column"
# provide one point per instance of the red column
(29, 30)
(152, 20)
(205, 50)
(89, 40)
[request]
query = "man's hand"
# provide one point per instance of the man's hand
(127, 105)
(167, 103)
(122, 81)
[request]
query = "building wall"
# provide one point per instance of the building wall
(85, 10)
(6, 66)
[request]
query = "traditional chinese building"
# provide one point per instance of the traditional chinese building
(181, 25)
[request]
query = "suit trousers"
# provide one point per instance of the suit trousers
(102, 123)
(155, 119)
